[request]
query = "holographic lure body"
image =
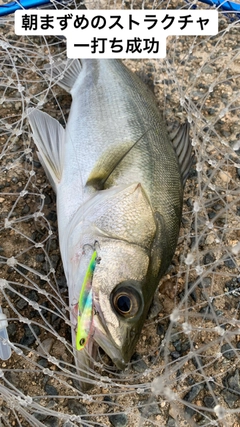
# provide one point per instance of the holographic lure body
(85, 306)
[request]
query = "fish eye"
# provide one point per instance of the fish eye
(126, 301)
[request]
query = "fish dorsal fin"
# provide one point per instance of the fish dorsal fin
(49, 137)
(66, 73)
(182, 145)
(106, 165)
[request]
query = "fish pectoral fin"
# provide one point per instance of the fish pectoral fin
(182, 145)
(107, 163)
(65, 72)
(49, 137)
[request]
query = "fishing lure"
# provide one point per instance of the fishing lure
(85, 308)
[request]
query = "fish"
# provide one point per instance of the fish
(119, 178)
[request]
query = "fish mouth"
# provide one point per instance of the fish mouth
(116, 354)
(85, 358)
(119, 354)
(84, 363)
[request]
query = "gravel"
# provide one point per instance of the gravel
(190, 342)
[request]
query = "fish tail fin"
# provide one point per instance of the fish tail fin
(64, 73)
(49, 137)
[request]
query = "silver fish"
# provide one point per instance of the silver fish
(119, 182)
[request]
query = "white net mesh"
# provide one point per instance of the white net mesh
(186, 368)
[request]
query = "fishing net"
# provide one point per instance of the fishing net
(186, 369)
